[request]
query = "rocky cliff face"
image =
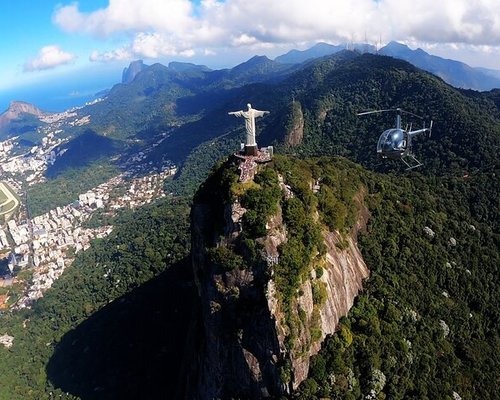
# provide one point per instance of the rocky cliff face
(295, 132)
(240, 350)
(132, 70)
(16, 109)
(245, 330)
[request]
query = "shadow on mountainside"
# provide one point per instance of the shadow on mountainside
(133, 347)
(82, 151)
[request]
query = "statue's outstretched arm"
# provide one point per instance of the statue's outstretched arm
(259, 113)
(236, 113)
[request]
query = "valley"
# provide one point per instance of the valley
(37, 247)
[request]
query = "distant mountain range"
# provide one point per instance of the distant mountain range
(320, 50)
(453, 72)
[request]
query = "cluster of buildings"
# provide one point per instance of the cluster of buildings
(55, 118)
(47, 244)
(35, 161)
(137, 162)
(69, 118)
(5, 148)
(51, 240)
(143, 190)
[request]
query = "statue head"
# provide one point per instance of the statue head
(249, 106)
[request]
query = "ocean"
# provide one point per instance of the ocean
(57, 95)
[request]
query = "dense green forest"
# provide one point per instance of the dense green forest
(112, 324)
(427, 322)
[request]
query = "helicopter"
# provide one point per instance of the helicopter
(395, 143)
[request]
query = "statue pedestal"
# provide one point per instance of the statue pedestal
(251, 150)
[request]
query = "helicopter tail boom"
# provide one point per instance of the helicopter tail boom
(418, 131)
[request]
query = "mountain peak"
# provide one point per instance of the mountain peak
(318, 50)
(133, 69)
(16, 108)
(396, 45)
(257, 60)
(396, 49)
(23, 106)
(254, 64)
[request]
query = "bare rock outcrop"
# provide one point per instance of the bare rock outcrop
(295, 132)
(240, 351)
(16, 109)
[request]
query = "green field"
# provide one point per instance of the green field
(4, 208)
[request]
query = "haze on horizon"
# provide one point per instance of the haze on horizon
(54, 41)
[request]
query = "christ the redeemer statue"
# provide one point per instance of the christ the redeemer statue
(250, 115)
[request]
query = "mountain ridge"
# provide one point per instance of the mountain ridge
(454, 72)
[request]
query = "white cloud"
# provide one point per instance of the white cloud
(115, 55)
(154, 45)
(126, 15)
(176, 27)
(49, 57)
(145, 45)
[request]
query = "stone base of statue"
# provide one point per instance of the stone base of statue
(248, 163)
(251, 150)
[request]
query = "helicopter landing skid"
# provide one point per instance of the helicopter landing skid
(411, 162)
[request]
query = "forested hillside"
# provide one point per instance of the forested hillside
(426, 325)
(112, 324)
(330, 92)
(466, 130)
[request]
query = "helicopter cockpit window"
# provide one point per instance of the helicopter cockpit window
(391, 140)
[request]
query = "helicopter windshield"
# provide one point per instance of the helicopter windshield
(391, 141)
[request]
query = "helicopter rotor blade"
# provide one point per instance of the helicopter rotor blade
(399, 110)
(375, 111)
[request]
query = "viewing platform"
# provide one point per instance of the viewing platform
(248, 163)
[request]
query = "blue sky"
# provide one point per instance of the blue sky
(45, 41)
(26, 27)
